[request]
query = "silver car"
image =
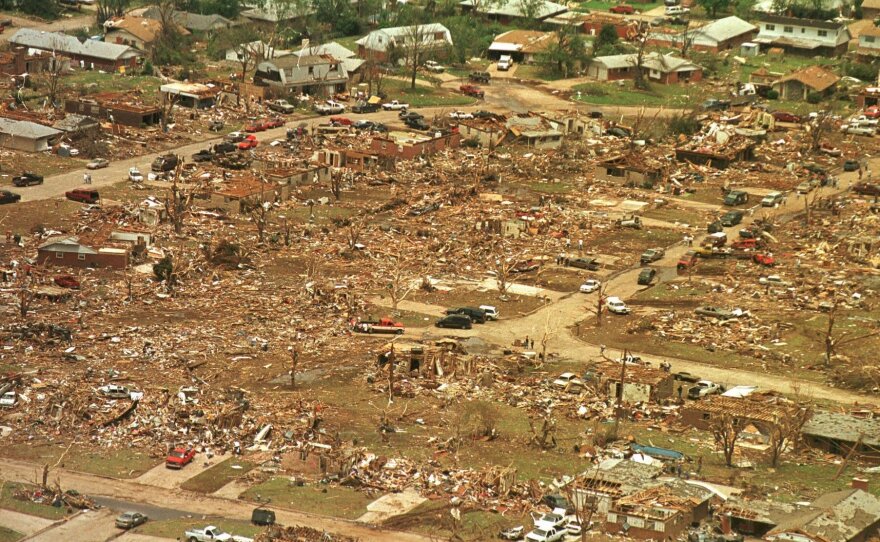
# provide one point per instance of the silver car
(130, 520)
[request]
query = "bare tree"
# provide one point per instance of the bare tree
(178, 201)
(392, 360)
(583, 504)
(639, 79)
(294, 362)
(259, 213)
(110, 8)
(818, 128)
(503, 266)
(168, 103)
(336, 184)
(600, 304)
(832, 341)
(417, 42)
(353, 232)
(544, 437)
(685, 40)
(401, 279)
(549, 332)
(51, 76)
(24, 282)
(725, 429)
(786, 429)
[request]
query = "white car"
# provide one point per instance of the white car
(590, 286)
(858, 130)
(461, 115)
(491, 312)
(434, 67)
(562, 381)
(8, 399)
(862, 120)
(616, 305)
(772, 280)
(677, 10)
(703, 388)
(115, 392)
(135, 175)
(551, 534)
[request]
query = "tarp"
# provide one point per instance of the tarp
(660, 453)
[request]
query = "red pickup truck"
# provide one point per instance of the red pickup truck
(383, 325)
(179, 457)
(623, 9)
(472, 90)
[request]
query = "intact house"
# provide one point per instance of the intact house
(870, 9)
(725, 34)
(843, 434)
(141, 33)
(800, 84)
(508, 10)
(385, 44)
(116, 107)
(534, 131)
(869, 44)
(522, 45)
(666, 69)
(641, 384)
(192, 95)
(70, 252)
(315, 75)
(803, 36)
(26, 136)
(90, 54)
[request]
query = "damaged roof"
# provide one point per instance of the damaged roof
(843, 427)
(26, 129)
(815, 77)
(62, 43)
(523, 41)
(834, 517)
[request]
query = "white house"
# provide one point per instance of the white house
(315, 75)
(379, 44)
(805, 36)
(869, 44)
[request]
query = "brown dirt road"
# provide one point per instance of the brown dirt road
(20, 471)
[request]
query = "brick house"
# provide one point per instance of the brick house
(117, 106)
(90, 54)
(69, 252)
(407, 146)
(665, 69)
(625, 27)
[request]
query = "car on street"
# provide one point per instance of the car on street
(854, 129)
(590, 286)
(646, 276)
(732, 218)
(805, 187)
(686, 377)
(341, 121)
(476, 315)
(736, 197)
(250, 142)
(83, 195)
(851, 165)
(179, 457)
(97, 163)
(703, 388)
(9, 197)
(590, 264)
(254, 127)
(273, 123)
(27, 179)
(135, 175)
(652, 255)
(263, 516)
(130, 520)
(472, 90)
(491, 311)
(622, 9)
(455, 321)
(204, 155)
(369, 125)
(771, 199)
(616, 305)
(235, 137)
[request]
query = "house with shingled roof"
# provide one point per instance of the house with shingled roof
(798, 85)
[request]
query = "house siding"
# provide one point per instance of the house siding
(391, 149)
(50, 257)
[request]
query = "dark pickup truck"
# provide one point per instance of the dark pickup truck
(27, 179)
(590, 264)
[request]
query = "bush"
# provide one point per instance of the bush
(814, 97)
(773, 95)
(863, 72)
(471, 142)
(147, 68)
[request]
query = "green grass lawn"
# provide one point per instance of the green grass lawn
(625, 94)
(9, 502)
(218, 476)
(423, 96)
(174, 528)
(603, 5)
(8, 535)
(540, 72)
(317, 499)
(116, 463)
(95, 81)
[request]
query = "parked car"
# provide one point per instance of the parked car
(179, 457)
(491, 312)
(686, 377)
(395, 105)
(130, 520)
(557, 502)
(546, 535)
(249, 143)
(714, 227)
(434, 67)
(851, 165)
(8, 197)
(866, 189)
(27, 179)
(590, 286)
(281, 106)
(514, 533)
(873, 111)
(590, 264)
(476, 315)
(504, 63)
(732, 218)
(805, 187)
(646, 276)
(235, 137)
(736, 197)
(461, 115)
(479, 77)
(417, 124)
(253, 127)
(784, 116)
(703, 388)
(115, 391)
(135, 175)
(329, 107)
(273, 123)
(677, 10)
(863, 120)
(83, 195)
(771, 199)
(472, 90)
(224, 147)
(460, 321)
(365, 107)
(97, 163)
(404, 115)
(652, 255)
(858, 130)
(204, 155)
(622, 9)
(212, 534)
(165, 162)
(341, 121)
(370, 125)
(616, 305)
(263, 516)
(715, 312)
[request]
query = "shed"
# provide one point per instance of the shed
(26, 136)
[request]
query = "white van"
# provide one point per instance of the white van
(504, 63)
(677, 10)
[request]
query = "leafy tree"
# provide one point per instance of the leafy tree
(227, 8)
(47, 9)
(744, 8)
(469, 39)
(712, 7)
(607, 40)
(568, 51)
(110, 8)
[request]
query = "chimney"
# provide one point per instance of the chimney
(860, 483)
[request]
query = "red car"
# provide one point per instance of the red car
(622, 9)
(83, 195)
(782, 116)
(764, 259)
(273, 123)
(67, 281)
(250, 142)
(873, 112)
(179, 457)
(255, 127)
(340, 121)
(471, 90)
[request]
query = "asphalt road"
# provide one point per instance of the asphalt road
(155, 513)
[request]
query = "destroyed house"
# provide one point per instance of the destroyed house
(758, 410)
(70, 252)
(238, 194)
(192, 95)
(352, 159)
(614, 479)
(407, 146)
(803, 36)
(20, 61)
(89, 54)
(315, 75)
(593, 22)
(641, 384)
(534, 131)
(851, 515)
(753, 518)
(630, 170)
(717, 155)
(522, 45)
(487, 132)
(662, 512)
(869, 44)
(724, 34)
(26, 136)
(77, 124)
(115, 107)
(843, 434)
